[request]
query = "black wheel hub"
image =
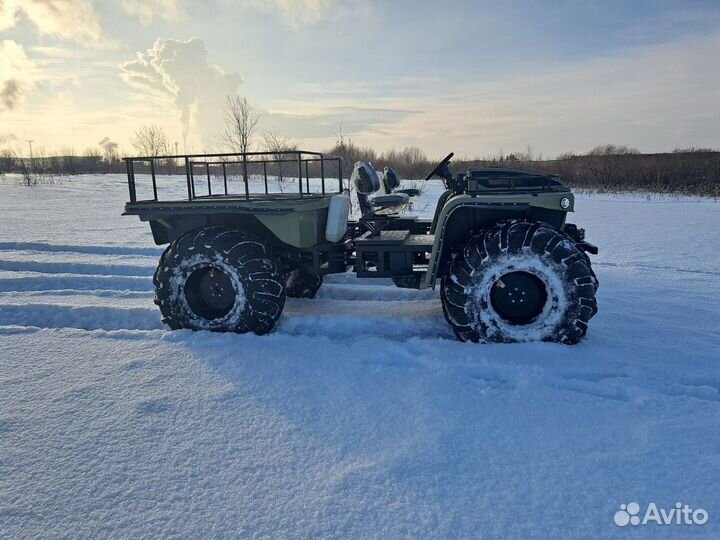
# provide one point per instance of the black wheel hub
(519, 297)
(210, 293)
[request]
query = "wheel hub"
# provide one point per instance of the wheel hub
(210, 293)
(519, 297)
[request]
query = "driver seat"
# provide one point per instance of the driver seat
(366, 181)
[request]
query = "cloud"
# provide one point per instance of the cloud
(302, 120)
(16, 75)
(147, 10)
(297, 13)
(61, 54)
(68, 19)
(654, 97)
(178, 71)
(304, 11)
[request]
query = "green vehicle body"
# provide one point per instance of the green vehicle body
(294, 221)
(504, 225)
(297, 223)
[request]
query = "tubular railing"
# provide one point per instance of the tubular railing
(202, 167)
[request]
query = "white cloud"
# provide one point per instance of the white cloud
(7, 16)
(68, 19)
(304, 11)
(297, 13)
(654, 98)
(178, 71)
(147, 10)
(16, 75)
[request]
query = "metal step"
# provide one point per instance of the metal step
(383, 238)
(421, 241)
(392, 253)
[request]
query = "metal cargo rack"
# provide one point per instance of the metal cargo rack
(305, 165)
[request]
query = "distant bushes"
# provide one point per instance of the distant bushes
(59, 164)
(606, 168)
(683, 172)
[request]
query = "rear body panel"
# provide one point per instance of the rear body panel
(297, 222)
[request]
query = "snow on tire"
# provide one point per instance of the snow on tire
(520, 281)
(219, 279)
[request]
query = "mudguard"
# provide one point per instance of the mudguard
(491, 208)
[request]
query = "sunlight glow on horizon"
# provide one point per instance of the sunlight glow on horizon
(470, 77)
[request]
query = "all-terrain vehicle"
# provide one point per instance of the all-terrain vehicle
(244, 233)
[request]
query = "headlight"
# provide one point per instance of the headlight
(565, 203)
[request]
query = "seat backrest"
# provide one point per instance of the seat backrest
(391, 180)
(365, 178)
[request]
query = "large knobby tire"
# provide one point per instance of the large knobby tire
(219, 279)
(520, 281)
(302, 283)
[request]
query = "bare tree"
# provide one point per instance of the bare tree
(150, 140)
(350, 152)
(241, 121)
(27, 178)
(279, 146)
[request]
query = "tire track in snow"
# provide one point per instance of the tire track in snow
(63, 282)
(100, 293)
(82, 317)
(76, 268)
(94, 250)
(353, 328)
(641, 266)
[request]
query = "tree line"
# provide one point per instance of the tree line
(609, 168)
(606, 168)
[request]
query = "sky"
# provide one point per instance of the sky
(474, 77)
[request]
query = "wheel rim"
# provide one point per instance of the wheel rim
(519, 297)
(210, 293)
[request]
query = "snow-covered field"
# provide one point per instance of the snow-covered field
(361, 416)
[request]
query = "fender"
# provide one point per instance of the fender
(465, 213)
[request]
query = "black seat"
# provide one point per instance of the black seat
(388, 201)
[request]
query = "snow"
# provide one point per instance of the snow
(361, 416)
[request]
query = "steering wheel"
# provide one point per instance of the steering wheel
(440, 166)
